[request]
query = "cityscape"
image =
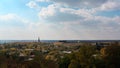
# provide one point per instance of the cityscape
(60, 54)
(59, 33)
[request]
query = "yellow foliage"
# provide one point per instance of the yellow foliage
(13, 49)
(102, 51)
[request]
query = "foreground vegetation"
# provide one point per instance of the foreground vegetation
(49, 55)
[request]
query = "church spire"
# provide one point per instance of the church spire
(38, 39)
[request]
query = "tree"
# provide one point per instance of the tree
(111, 56)
(85, 56)
(64, 62)
(74, 64)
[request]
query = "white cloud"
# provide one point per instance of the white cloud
(12, 26)
(56, 13)
(49, 11)
(80, 3)
(32, 4)
(110, 5)
(81, 12)
(42, 0)
(117, 19)
(12, 20)
(8, 17)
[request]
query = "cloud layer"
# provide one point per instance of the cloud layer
(65, 19)
(80, 18)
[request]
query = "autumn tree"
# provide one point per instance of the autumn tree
(85, 56)
(111, 56)
(74, 64)
(64, 62)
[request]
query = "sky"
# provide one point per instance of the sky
(60, 19)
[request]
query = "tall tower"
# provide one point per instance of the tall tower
(38, 39)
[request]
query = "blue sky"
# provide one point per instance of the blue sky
(60, 19)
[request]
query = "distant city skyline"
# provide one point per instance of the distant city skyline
(60, 19)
